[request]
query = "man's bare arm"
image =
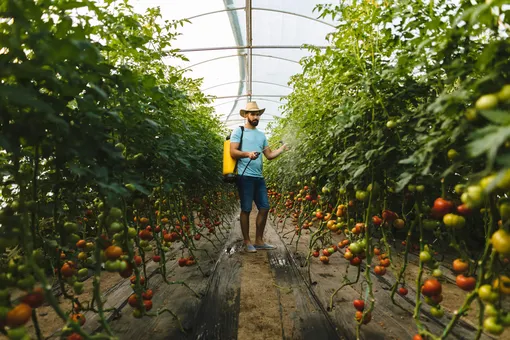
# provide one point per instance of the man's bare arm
(270, 154)
(236, 154)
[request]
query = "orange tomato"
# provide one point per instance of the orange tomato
(19, 315)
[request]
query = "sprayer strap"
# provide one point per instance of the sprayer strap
(240, 146)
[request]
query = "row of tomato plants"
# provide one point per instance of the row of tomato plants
(104, 147)
(437, 227)
(403, 123)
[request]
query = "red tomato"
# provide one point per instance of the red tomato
(34, 299)
(403, 291)
(379, 270)
(355, 261)
(366, 318)
(460, 266)
(376, 220)
(359, 304)
(389, 216)
(466, 283)
(147, 295)
(463, 210)
(431, 287)
(441, 207)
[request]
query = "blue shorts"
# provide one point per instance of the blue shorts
(252, 189)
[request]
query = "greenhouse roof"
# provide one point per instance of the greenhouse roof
(244, 49)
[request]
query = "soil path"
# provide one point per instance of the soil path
(259, 295)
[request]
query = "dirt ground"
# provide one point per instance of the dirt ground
(259, 307)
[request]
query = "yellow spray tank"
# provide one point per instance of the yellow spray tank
(228, 162)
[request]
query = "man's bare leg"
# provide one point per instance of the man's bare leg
(261, 226)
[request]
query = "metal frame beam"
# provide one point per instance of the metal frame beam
(261, 9)
(292, 13)
(249, 41)
(296, 47)
(258, 99)
(253, 81)
(248, 95)
(237, 55)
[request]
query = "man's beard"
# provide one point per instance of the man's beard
(253, 122)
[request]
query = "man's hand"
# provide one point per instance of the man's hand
(253, 155)
(285, 147)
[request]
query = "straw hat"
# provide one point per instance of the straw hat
(251, 107)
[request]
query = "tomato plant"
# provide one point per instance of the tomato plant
(411, 132)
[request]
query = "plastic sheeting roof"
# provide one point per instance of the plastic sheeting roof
(216, 42)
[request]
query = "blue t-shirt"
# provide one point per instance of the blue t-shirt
(253, 141)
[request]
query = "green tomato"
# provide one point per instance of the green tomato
(459, 188)
(118, 237)
(112, 266)
(504, 93)
(73, 238)
(437, 272)
(505, 318)
(391, 124)
(492, 326)
(78, 287)
(355, 248)
(454, 221)
(83, 272)
(115, 212)
(132, 233)
(116, 227)
(501, 241)
(486, 294)
(19, 333)
(437, 312)
(361, 195)
(425, 256)
(487, 102)
(452, 154)
(411, 188)
(490, 310)
(473, 197)
(70, 227)
(504, 183)
(504, 210)
(420, 188)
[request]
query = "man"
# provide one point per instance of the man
(250, 183)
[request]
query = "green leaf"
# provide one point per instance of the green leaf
(404, 179)
(488, 140)
(496, 116)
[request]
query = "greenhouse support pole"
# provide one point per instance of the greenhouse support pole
(249, 41)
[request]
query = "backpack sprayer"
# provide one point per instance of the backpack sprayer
(230, 164)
